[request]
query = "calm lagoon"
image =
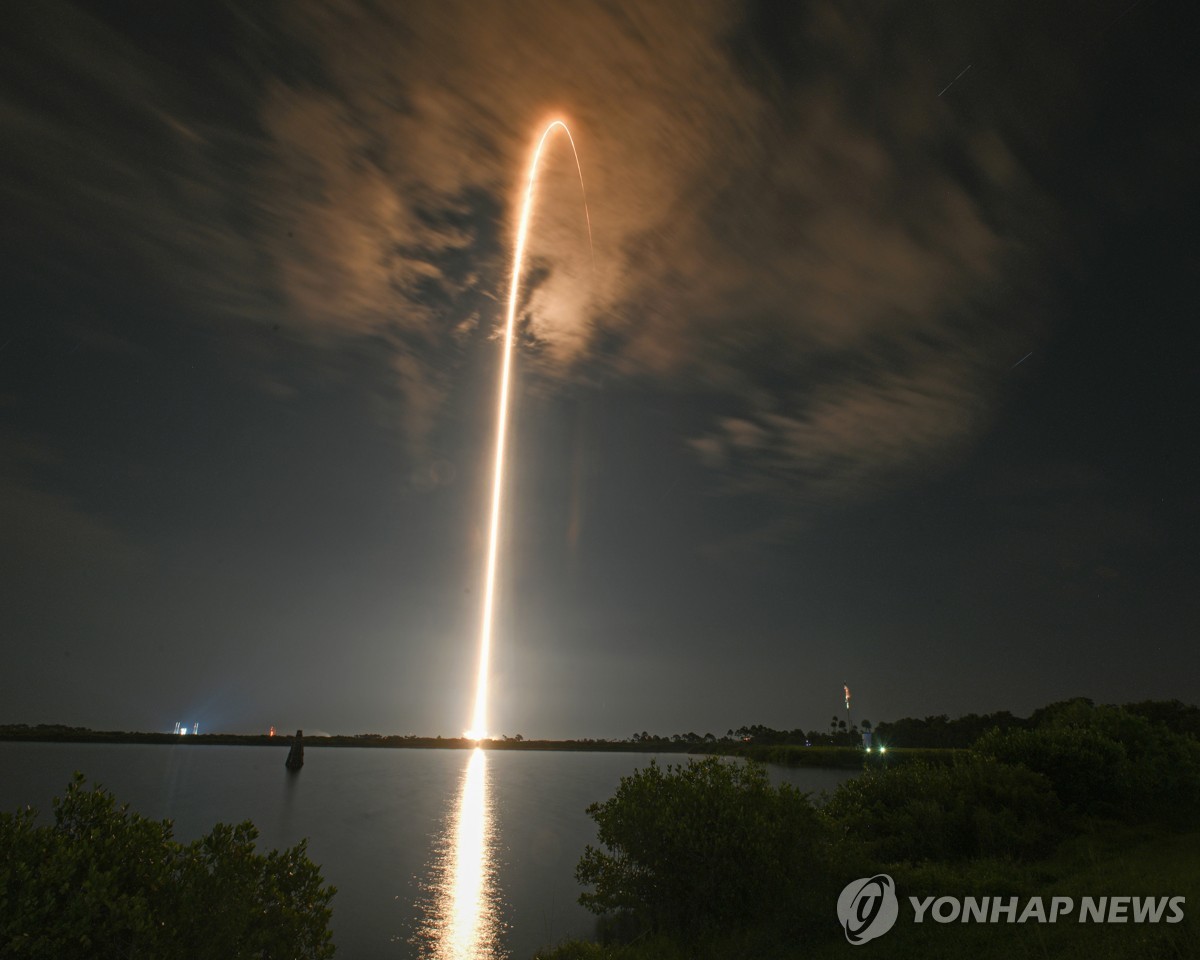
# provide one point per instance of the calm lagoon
(435, 853)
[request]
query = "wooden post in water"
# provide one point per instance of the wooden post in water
(295, 758)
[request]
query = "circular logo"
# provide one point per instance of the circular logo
(867, 908)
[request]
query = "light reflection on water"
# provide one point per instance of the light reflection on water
(462, 909)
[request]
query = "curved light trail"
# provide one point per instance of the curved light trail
(478, 730)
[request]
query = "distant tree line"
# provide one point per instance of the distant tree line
(941, 731)
(931, 732)
(928, 732)
(837, 735)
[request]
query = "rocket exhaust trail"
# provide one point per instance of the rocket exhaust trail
(478, 730)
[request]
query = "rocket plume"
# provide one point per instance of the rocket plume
(478, 729)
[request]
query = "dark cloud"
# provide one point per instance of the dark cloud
(873, 263)
(881, 266)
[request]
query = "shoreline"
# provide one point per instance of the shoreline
(374, 741)
(784, 755)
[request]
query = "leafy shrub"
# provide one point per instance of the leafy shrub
(1106, 761)
(1176, 716)
(1089, 772)
(972, 808)
(103, 882)
(710, 846)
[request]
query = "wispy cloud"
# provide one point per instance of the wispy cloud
(842, 279)
(846, 287)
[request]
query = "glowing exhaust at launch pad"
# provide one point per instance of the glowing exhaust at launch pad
(478, 730)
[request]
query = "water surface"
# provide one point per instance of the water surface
(435, 853)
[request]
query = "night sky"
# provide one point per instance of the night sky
(880, 376)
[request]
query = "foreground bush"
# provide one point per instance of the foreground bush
(971, 809)
(103, 882)
(1108, 762)
(1090, 773)
(708, 846)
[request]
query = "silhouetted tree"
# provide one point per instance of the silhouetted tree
(1173, 714)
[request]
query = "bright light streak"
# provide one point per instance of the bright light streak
(462, 917)
(470, 867)
(478, 729)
